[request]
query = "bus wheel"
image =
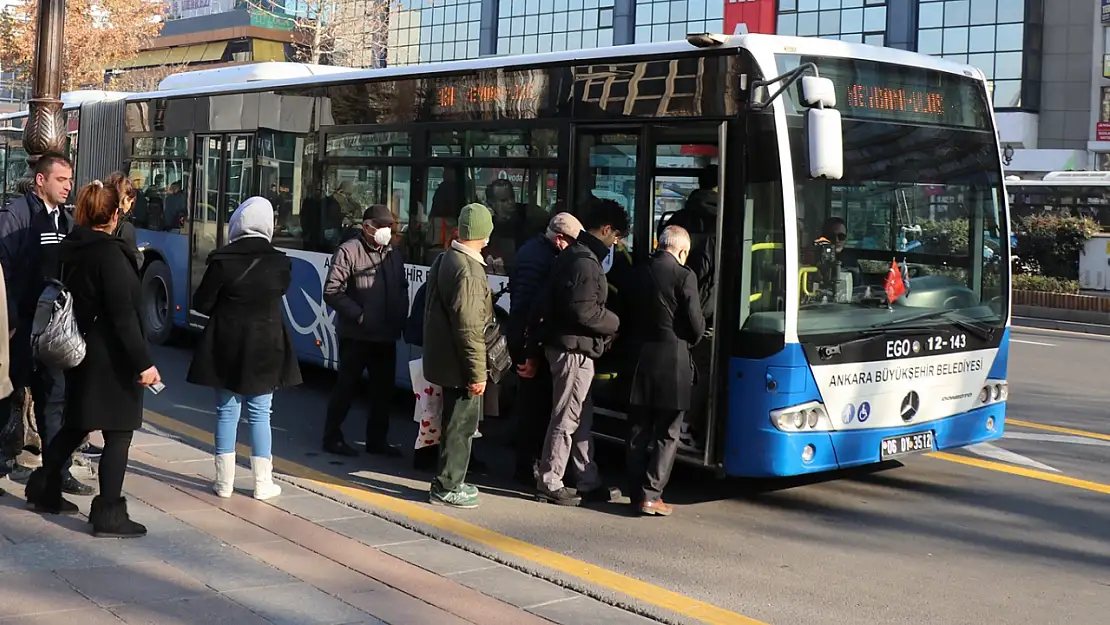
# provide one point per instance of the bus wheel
(157, 303)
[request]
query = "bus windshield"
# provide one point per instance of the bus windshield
(922, 190)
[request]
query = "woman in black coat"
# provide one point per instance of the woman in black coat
(125, 229)
(105, 391)
(246, 352)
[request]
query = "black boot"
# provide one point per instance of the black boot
(109, 519)
(44, 494)
(426, 459)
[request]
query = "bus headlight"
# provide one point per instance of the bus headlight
(810, 416)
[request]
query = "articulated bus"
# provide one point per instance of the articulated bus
(1071, 193)
(807, 367)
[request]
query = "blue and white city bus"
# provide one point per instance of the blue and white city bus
(807, 366)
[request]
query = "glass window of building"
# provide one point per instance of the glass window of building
(670, 20)
(985, 33)
(855, 21)
(530, 26)
(427, 31)
(13, 88)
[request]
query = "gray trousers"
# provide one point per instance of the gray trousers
(570, 433)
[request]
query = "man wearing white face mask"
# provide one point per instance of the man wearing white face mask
(367, 287)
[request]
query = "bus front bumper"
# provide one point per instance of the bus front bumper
(773, 453)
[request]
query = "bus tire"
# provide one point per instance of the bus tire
(157, 307)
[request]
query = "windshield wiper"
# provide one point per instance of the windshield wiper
(981, 330)
(828, 351)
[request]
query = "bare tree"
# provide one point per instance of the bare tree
(143, 79)
(350, 33)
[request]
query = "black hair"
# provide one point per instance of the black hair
(47, 161)
(831, 222)
(603, 213)
(707, 178)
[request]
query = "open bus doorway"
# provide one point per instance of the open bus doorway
(658, 173)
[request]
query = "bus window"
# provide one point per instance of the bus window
(520, 201)
(281, 173)
(352, 189)
(512, 171)
(239, 179)
(449, 188)
(606, 169)
(159, 169)
(761, 281)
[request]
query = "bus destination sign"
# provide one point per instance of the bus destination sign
(452, 96)
(927, 104)
(888, 92)
(512, 95)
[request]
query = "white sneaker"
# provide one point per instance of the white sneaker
(225, 475)
(264, 486)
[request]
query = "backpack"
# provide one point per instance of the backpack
(56, 341)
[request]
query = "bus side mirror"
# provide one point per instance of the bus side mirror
(826, 144)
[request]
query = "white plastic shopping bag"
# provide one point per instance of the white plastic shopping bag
(429, 406)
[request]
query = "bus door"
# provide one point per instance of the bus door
(686, 161)
(224, 178)
(653, 171)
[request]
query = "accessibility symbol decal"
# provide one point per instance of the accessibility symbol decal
(864, 412)
(848, 414)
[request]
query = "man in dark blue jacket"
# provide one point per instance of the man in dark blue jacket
(533, 404)
(31, 227)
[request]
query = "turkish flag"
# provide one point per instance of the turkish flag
(894, 286)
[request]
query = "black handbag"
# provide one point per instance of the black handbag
(498, 358)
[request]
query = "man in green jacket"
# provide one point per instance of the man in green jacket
(458, 307)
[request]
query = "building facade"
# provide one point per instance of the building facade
(211, 33)
(1049, 84)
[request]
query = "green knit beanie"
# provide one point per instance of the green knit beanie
(475, 223)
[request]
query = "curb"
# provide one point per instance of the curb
(1066, 326)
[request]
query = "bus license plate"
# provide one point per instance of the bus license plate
(908, 444)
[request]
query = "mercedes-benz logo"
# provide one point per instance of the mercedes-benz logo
(910, 405)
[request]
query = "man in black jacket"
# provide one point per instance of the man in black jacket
(667, 325)
(533, 267)
(31, 227)
(577, 328)
(367, 288)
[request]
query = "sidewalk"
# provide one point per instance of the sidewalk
(299, 559)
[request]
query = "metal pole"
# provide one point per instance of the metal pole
(46, 124)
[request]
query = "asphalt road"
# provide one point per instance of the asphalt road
(930, 541)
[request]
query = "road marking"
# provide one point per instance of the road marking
(1043, 476)
(989, 450)
(643, 591)
(1059, 430)
(1032, 343)
(1056, 438)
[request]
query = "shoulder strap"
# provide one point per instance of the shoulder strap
(244, 274)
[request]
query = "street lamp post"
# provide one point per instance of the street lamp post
(46, 124)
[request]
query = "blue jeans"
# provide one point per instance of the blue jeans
(228, 410)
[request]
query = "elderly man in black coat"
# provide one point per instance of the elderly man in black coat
(668, 323)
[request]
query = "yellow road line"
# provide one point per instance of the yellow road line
(1057, 429)
(1044, 476)
(643, 591)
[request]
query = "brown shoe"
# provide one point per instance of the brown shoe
(656, 508)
